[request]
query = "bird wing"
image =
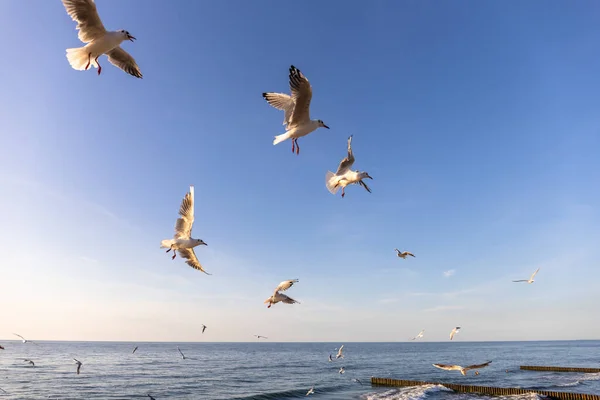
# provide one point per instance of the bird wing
(340, 351)
(533, 275)
(522, 280)
(363, 184)
(285, 285)
(183, 226)
(179, 350)
(347, 162)
(281, 101)
(448, 367)
(453, 333)
(301, 95)
(286, 299)
(16, 334)
(123, 60)
(477, 366)
(409, 254)
(88, 22)
(78, 368)
(192, 260)
(134, 350)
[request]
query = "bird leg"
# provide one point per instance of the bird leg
(297, 147)
(89, 61)
(174, 255)
(99, 67)
(343, 193)
(293, 145)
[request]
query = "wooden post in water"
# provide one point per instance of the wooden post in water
(559, 369)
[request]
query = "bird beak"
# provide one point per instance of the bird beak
(204, 244)
(369, 176)
(132, 38)
(325, 126)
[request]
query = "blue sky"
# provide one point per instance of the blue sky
(477, 120)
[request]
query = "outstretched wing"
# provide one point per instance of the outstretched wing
(478, 366)
(123, 60)
(88, 21)
(183, 226)
(522, 280)
(192, 260)
(347, 162)
(448, 367)
(533, 275)
(286, 299)
(301, 95)
(16, 334)
(281, 101)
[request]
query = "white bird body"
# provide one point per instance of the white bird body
(177, 244)
(279, 297)
(342, 370)
(299, 131)
(454, 332)
(310, 391)
(344, 175)
(530, 280)
(99, 40)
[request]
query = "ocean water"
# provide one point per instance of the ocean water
(264, 370)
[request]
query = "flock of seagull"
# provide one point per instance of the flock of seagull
(297, 122)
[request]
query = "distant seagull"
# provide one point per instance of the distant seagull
(3, 391)
(79, 364)
(476, 372)
(99, 41)
(180, 352)
(285, 285)
(339, 353)
(358, 381)
(151, 398)
(344, 175)
(420, 335)
(1, 348)
(23, 339)
(342, 370)
(530, 280)
(330, 358)
(296, 109)
(403, 254)
(29, 362)
(203, 328)
(310, 391)
(260, 337)
(280, 297)
(454, 332)
(183, 241)
(134, 350)
(463, 370)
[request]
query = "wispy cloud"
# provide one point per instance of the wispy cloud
(449, 273)
(443, 308)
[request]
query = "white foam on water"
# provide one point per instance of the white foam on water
(407, 393)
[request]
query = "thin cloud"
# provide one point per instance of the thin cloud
(443, 308)
(449, 273)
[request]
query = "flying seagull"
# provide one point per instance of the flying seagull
(330, 358)
(99, 41)
(358, 381)
(530, 280)
(260, 337)
(345, 176)
(29, 362)
(3, 391)
(403, 254)
(296, 109)
(134, 350)
(151, 398)
(310, 391)
(454, 332)
(340, 354)
(183, 241)
(79, 364)
(203, 328)
(342, 370)
(1, 348)
(180, 352)
(420, 335)
(23, 339)
(463, 370)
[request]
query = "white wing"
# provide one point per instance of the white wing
(123, 60)
(192, 260)
(285, 299)
(183, 226)
(285, 285)
(301, 95)
(448, 367)
(347, 162)
(532, 276)
(281, 101)
(88, 22)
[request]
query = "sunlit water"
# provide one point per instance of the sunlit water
(282, 370)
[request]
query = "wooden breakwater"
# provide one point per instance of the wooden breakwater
(495, 391)
(559, 369)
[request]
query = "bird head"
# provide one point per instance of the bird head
(127, 35)
(200, 241)
(322, 124)
(365, 175)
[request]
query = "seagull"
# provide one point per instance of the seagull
(420, 335)
(260, 337)
(151, 398)
(203, 328)
(344, 175)
(23, 339)
(285, 285)
(182, 241)
(29, 362)
(358, 381)
(296, 109)
(463, 370)
(530, 280)
(454, 332)
(310, 391)
(277, 297)
(330, 359)
(403, 254)
(180, 352)
(99, 41)
(79, 364)
(1, 348)
(342, 370)
(3, 391)
(339, 354)
(134, 350)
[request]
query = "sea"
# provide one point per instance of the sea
(272, 371)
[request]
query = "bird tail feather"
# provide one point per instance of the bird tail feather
(166, 243)
(79, 57)
(281, 138)
(331, 182)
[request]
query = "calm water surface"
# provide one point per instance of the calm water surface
(267, 371)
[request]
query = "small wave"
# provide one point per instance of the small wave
(409, 393)
(287, 394)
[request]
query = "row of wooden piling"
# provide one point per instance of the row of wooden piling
(486, 389)
(559, 369)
